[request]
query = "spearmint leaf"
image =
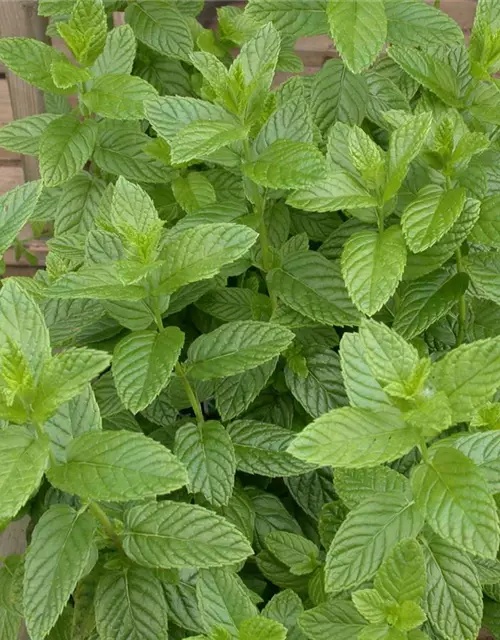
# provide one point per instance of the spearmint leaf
(142, 365)
(402, 576)
(484, 450)
(427, 300)
(86, 31)
(32, 61)
(286, 607)
(483, 268)
(415, 24)
(234, 394)
(351, 437)
(118, 53)
(322, 389)
(201, 139)
(313, 286)
(454, 496)
(182, 608)
(335, 616)
(262, 629)
(236, 347)
(16, 208)
(72, 419)
(355, 486)
(293, 122)
(208, 454)
(79, 204)
(372, 267)
(224, 600)
(193, 192)
(453, 600)
(286, 164)
(297, 552)
(469, 376)
(294, 17)
(232, 304)
(99, 281)
(23, 461)
(23, 136)
(486, 231)
(119, 96)
(57, 558)
(431, 215)
(359, 30)
(367, 536)
(199, 253)
(177, 535)
(262, 449)
(161, 27)
(65, 146)
(130, 605)
(404, 146)
(338, 190)
(119, 466)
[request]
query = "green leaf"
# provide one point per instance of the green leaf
(296, 552)
(86, 31)
(235, 347)
(413, 23)
(355, 486)
(78, 416)
(484, 450)
(130, 605)
(286, 164)
(176, 535)
(23, 136)
(57, 558)
(335, 616)
(118, 53)
(367, 536)
(293, 121)
(469, 376)
(142, 365)
(261, 448)
(67, 75)
(427, 300)
(119, 96)
(193, 192)
(262, 629)
(294, 17)
(65, 146)
(454, 496)
(372, 267)
(258, 58)
(402, 575)
(23, 461)
(161, 27)
(351, 437)
(487, 229)
(79, 204)
(313, 286)
(224, 600)
(371, 605)
(483, 268)
(339, 190)
(322, 389)
(16, 208)
(32, 61)
(201, 139)
(404, 146)
(285, 607)
(199, 253)
(100, 281)
(453, 600)
(359, 30)
(117, 465)
(433, 212)
(208, 454)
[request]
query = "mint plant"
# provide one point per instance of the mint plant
(254, 393)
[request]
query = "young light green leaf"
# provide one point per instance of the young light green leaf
(193, 192)
(202, 138)
(57, 558)
(117, 465)
(355, 486)
(260, 628)
(444, 487)
(142, 365)
(367, 536)
(335, 616)
(119, 96)
(484, 450)
(359, 30)
(208, 454)
(65, 146)
(67, 75)
(354, 438)
(177, 535)
(402, 575)
(16, 208)
(339, 190)
(372, 267)
(293, 121)
(23, 135)
(433, 212)
(100, 281)
(86, 31)
(118, 53)
(130, 605)
(296, 552)
(236, 347)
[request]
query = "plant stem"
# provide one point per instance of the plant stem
(423, 449)
(105, 522)
(179, 370)
(437, 4)
(462, 304)
(158, 318)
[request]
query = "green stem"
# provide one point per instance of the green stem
(179, 370)
(423, 449)
(106, 524)
(158, 319)
(462, 304)
(437, 4)
(380, 220)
